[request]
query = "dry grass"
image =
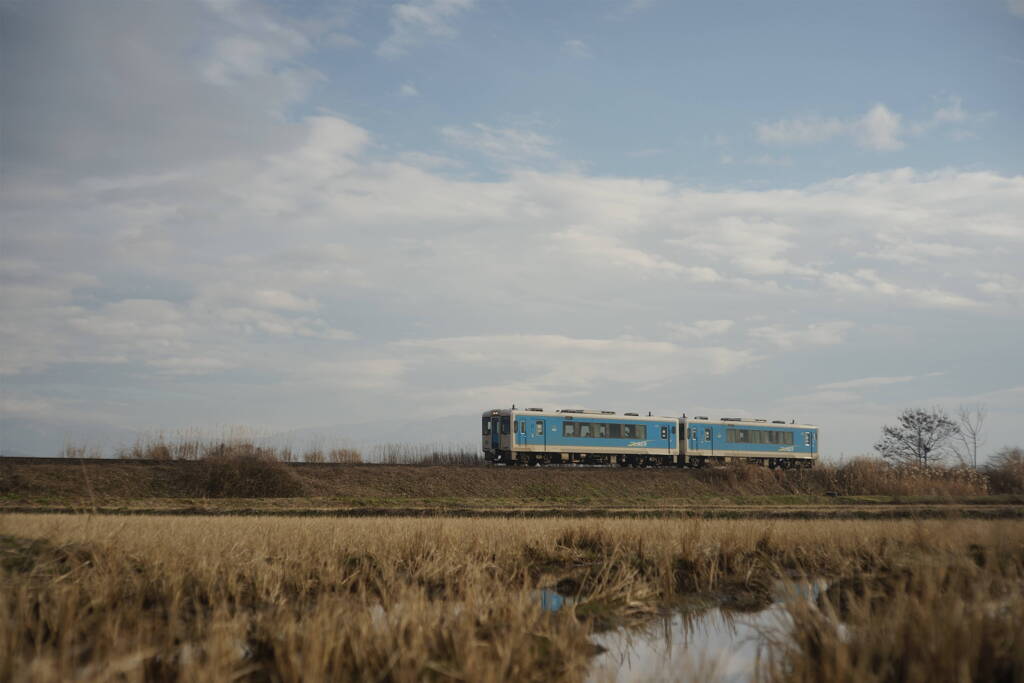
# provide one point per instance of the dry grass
(191, 445)
(934, 624)
(143, 478)
(97, 598)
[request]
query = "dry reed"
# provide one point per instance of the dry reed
(97, 598)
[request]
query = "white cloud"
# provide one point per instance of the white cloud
(1002, 285)
(815, 334)
(867, 382)
(557, 361)
(868, 281)
(506, 144)
(415, 22)
(408, 90)
(576, 48)
(602, 250)
(880, 129)
(700, 328)
(801, 131)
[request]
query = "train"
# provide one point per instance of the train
(534, 436)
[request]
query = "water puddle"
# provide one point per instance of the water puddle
(714, 644)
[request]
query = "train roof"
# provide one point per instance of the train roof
(748, 422)
(579, 413)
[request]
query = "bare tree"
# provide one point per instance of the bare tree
(969, 437)
(921, 437)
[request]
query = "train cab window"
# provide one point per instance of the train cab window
(506, 423)
(538, 428)
(707, 434)
(664, 432)
(487, 427)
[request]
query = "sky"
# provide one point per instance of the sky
(287, 215)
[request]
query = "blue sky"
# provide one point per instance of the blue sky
(287, 215)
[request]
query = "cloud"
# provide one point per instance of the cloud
(576, 48)
(700, 328)
(505, 144)
(573, 364)
(850, 389)
(219, 94)
(815, 334)
(878, 129)
(867, 382)
(408, 90)
(185, 232)
(414, 23)
(866, 280)
(604, 251)
(804, 131)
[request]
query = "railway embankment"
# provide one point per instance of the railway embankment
(241, 485)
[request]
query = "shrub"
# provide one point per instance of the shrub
(1006, 470)
(243, 471)
(348, 456)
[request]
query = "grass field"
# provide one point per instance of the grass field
(94, 598)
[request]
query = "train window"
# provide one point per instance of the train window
(522, 426)
(673, 429)
(615, 431)
(707, 434)
(627, 431)
(506, 423)
(585, 431)
(486, 426)
(807, 438)
(538, 428)
(601, 430)
(568, 429)
(693, 432)
(789, 438)
(641, 431)
(664, 432)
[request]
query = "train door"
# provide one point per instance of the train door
(691, 438)
(537, 433)
(708, 442)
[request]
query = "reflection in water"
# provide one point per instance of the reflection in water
(714, 645)
(551, 600)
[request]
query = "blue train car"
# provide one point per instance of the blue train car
(535, 436)
(775, 444)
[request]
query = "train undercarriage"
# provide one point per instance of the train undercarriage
(640, 460)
